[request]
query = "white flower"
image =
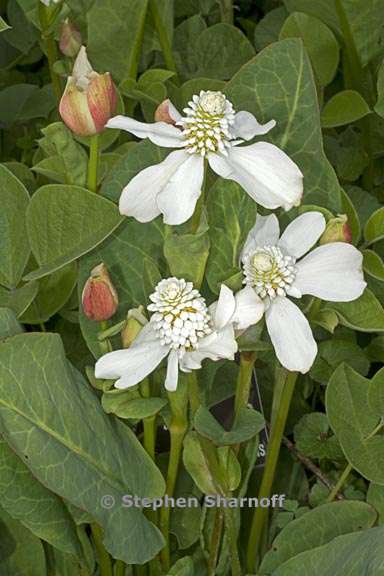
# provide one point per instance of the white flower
(49, 2)
(182, 328)
(210, 128)
(274, 269)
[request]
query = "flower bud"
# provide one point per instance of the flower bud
(164, 111)
(70, 39)
(134, 324)
(337, 230)
(89, 99)
(99, 296)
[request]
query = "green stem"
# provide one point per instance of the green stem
(232, 539)
(105, 344)
(93, 163)
(215, 543)
(163, 36)
(105, 563)
(336, 489)
(119, 568)
(226, 9)
(244, 379)
(112, 331)
(47, 16)
(178, 427)
(287, 386)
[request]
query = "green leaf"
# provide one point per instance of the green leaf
(268, 29)
(54, 291)
(379, 106)
(183, 567)
(355, 407)
(19, 299)
(9, 326)
(247, 425)
(187, 255)
(343, 108)
(21, 552)
(184, 43)
(115, 30)
(332, 353)
(374, 228)
(313, 440)
(65, 222)
(359, 553)
(38, 509)
(23, 102)
(375, 497)
(221, 50)
(316, 528)
(196, 464)
(124, 406)
(353, 217)
(3, 25)
(111, 462)
(14, 246)
(319, 41)
(66, 161)
(232, 214)
(278, 83)
(365, 314)
(373, 264)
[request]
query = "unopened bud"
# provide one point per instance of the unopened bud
(70, 39)
(99, 297)
(133, 326)
(337, 230)
(89, 99)
(165, 112)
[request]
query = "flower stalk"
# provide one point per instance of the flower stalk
(244, 379)
(283, 390)
(47, 16)
(105, 563)
(93, 162)
(178, 428)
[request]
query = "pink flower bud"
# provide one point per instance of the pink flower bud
(164, 112)
(99, 296)
(337, 230)
(70, 39)
(89, 99)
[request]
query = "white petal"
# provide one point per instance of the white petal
(172, 371)
(220, 344)
(159, 133)
(177, 199)
(269, 176)
(191, 361)
(302, 233)
(265, 232)
(135, 363)
(138, 198)
(247, 127)
(291, 335)
(225, 307)
(249, 308)
(173, 112)
(332, 272)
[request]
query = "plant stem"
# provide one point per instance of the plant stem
(336, 489)
(105, 563)
(284, 388)
(93, 163)
(46, 17)
(105, 344)
(119, 568)
(178, 401)
(163, 36)
(215, 543)
(226, 9)
(244, 379)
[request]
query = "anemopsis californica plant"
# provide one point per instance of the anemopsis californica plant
(210, 128)
(49, 2)
(274, 268)
(182, 328)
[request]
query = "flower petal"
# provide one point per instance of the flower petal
(265, 172)
(225, 307)
(265, 232)
(302, 233)
(173, 112)
(247, 127)
(135, 363)
(332, 272)
(172, 371)
(291, 335)
(249, 308)
(138, 198)
(216, 346)
(159, 133)
(177, 199)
